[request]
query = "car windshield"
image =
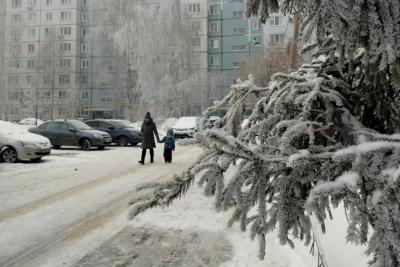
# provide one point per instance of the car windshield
(80, 125)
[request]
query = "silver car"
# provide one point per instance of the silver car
(18, 144)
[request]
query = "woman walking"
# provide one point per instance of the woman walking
(148, 130)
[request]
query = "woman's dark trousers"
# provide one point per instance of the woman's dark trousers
(151, 154)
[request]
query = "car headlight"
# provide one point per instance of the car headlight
(27, 144)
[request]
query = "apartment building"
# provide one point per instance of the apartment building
(41, 59)
(2, 40)
(232, 40)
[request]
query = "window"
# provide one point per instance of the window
(65, 15)
(66, 47)
(46, 95)
(238, 14)
(85, 16)
(106, 100)
(49, 16)
(84, 79)
(15, 35)
(52, 126)
(85, 2)
(65, 63)
(196, 42)
(195, 59)
(15, 50)
(64, 78)
(32, 33)
(276, 21)
(214, 10)
(66, 31)
(47, 79)
(31, 18)
(236, 65)
(16, 3)
(214, 43)
(239, 30)
(14, 64)
(31, 3)
(31, 64)
(213, 26)
(47, 63)
(84, 63)
(238, 47)
(85, 95)
(84, 48)
(194, 8)
(214, 60)
(49, 2)
(256, 24)
(62, 94)
(16, 18)
(277, 38)
(65, 2)
(29, 79)
(31, 48)
(85, 32)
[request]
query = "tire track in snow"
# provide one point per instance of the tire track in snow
(35, 253)
(59, 196)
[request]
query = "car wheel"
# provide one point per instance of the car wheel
(122, 141)
(100, 147)
(9, 155)
(85, 144)
(56, 147)
(36, 160)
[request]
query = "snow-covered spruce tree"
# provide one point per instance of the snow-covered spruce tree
(303, 148)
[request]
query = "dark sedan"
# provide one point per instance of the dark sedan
(72, 133)
(122, 132)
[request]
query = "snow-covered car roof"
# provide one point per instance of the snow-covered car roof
(30, 121)
(186, 123)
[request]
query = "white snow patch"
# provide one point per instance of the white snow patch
(299, 155)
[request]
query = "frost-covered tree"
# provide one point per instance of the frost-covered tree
(309, 144)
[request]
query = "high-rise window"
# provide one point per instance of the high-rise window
(85, 95)
(31, 3)
(32, 33)
(31, 18)
(194, 8)
(214, 9)
(84, 79)
(49, 2)
(237, 14)
(214, 60)
(85, 32)
(49, 16)
(257, 24)
(85, 2)
(31, 48)
(213, 26)
(16, 3)
(65, 2)
(196, 41)
(84, 63)
(65, 63)
(214, 43)
(85, 16)
(64, 78)
(66, 15)
(84, 48)
(239, 30)
(62, 94)
(16, 18)
(277, 38)
(65, 47)
(276, 21)
(31, 64)
(66, 31)
(238, 47)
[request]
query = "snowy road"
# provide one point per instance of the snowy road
(72, 200)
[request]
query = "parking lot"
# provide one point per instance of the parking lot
(72, 197)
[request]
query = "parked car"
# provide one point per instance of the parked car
(31, 121)
(18, 144)
(72, 133)
(122, 132)
(185, 127)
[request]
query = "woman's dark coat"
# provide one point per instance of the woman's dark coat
(148, 130)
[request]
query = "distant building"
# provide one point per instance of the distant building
(41, 58)
(2, 44)
(232, 40)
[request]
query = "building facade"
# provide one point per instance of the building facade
(232, 40)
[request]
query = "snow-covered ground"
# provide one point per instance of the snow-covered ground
(54, 212)
(60, 211)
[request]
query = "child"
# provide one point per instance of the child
(169, 146)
